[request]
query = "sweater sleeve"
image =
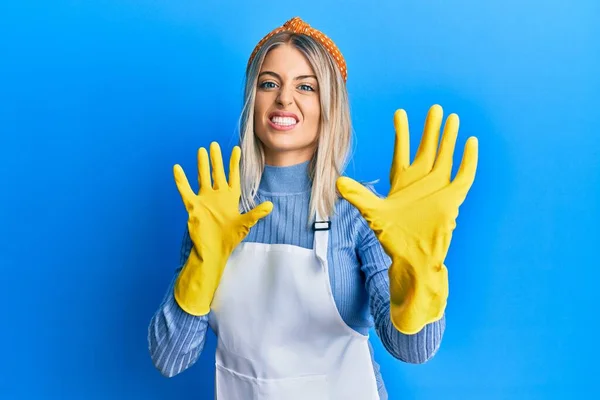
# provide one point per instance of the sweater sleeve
(176, 338)
(417, 348)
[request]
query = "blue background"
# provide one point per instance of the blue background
(99, 99)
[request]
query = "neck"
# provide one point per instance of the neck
(286, 179)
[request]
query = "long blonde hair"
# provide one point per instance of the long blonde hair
(335, 128)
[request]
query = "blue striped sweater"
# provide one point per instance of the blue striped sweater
(357, 271)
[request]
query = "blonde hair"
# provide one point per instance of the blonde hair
(335, 128)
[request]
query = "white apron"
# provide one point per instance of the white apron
(280, 335)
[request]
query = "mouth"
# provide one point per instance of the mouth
(283, 121)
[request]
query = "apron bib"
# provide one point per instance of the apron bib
(280, 335)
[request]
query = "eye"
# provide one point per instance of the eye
(267, 85)
(307, 88)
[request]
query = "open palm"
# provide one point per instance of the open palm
(414, 223)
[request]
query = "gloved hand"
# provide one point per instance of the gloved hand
(216, 227)
(415, 222)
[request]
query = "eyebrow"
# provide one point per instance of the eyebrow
(279, 77)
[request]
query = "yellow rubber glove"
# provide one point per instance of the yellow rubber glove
(216, 227)
(414, 224)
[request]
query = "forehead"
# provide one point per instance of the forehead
(286, 60)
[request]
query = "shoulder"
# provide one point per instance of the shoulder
(371, 186)
(350, 219)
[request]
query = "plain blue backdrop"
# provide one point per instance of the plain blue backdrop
(99, 99)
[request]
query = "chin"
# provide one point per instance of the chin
(284, 142)
(288, 146)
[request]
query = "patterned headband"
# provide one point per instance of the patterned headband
(296, 25)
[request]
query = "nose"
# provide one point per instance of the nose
(285, 97)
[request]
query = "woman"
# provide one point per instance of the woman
(290, 274)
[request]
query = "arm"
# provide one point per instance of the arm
(176, 338)
(415, 222)
(417, 348)
(177, 331)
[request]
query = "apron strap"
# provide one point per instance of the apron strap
(321, 228)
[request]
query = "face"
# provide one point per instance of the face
(287, 109)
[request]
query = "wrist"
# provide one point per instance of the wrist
(197, 282)
(418, 294)
(403, 280)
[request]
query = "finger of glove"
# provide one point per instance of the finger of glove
(401, 159)
(357, 195)
(260, 211)
(427, 150)
(443, 162)
(466, 173)
(183, 186)
(203, 171)
(218, 172)
(234, 168)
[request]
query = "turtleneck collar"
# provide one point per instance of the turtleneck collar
(285, 180)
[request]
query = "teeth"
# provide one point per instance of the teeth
(285, 121)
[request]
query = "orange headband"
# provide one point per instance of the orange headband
(296, 25)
